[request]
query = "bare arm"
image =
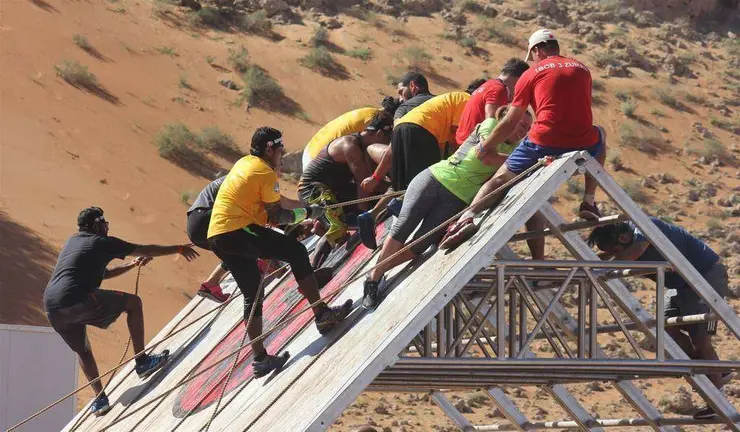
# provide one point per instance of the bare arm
(491, 110)
(633, 252)
(503, 129)
(278, 215)
(118, 270)
(370, 183)
(158, 250)
(289, 203)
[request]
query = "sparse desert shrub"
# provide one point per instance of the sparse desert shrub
(256, 22)
(695, 98)
(76, 74)
(184, 83)
(208, 16)
(210, 60)
(604, 59)
(82, 42)
(642, 139)
(239, 60)
(598, 85)
(186, 197)
(628, 108)
(175, 140)
(361, 53)
(169, 51)
(656, 112)
(722, 124)
(666, 98)
(578, 47)
(220, 143)
(574, 186)
(635, 190)
(495, 32)
(467, 43)
(320, 37)
(615, 161)
(714, 149)
(471, 6)
(621, 95)
(416, 58)
(259, 87)
(319, 59)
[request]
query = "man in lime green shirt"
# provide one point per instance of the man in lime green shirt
(438, 193)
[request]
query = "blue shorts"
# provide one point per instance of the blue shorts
(528, 153)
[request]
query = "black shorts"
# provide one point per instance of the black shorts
(198, 221)
(101, 309)
(241, 248)
(414, 150)
(687, 302)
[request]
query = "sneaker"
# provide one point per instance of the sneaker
(269, 364)
(588, 211)
(366, 228)
(458, 233)
(333, 316)
(370, 299)
(153, 363)
(212, 292)
(726, 377)
(394, 206)
(705, 413)
(100, 406)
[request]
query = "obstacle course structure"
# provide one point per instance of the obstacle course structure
(464, 319)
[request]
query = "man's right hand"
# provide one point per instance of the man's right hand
(188, 252)
(369, 185)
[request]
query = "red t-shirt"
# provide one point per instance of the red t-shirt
(492, 92)
(559, 90)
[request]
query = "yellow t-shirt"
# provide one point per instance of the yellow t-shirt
(438, 114)
(346, 124)
(241, 199)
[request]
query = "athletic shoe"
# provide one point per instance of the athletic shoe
(366, 228)
(705, 413)
(212, 292)
(726, 377)
(588, 211)
(269, 364)
(152, 364)
(333, 316)
(100, 406)
(394, 206)
(370, 299)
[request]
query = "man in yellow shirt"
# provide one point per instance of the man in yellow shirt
(349, 123)
(247, 200)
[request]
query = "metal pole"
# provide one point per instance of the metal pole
(500, 312)
(440, 334)
(582, 294)
(606, 220)
(569, 424)
(660, 314)
(428, 340)
(512, 322)
(584, 264)
(522, 321)
(593, 322)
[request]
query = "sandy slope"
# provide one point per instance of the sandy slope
(62, 149)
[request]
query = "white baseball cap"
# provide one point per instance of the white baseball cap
(541, 35)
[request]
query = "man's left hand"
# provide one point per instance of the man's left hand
(141, 261)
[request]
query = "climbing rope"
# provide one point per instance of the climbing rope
(286, 320)
(363, 200)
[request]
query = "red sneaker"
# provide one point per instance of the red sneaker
(457, 233)
(212, 292)
(589, 212)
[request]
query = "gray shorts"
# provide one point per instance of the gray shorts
(429, 203)
(688, 302)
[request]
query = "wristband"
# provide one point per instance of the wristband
(179, 249)
(299, 214)
(376, 177)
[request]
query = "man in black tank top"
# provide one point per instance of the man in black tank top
(336, 173)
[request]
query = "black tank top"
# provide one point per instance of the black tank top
(324, 169)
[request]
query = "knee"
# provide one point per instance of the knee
(134, 304)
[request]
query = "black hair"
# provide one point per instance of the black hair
(515, 67)
(474, 85)
(390, 104)
(417, 78)
(606, 237)
(381, 121)
(263, 138)
(88, 217)
(550, 46)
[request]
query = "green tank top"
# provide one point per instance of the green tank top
(463, 173)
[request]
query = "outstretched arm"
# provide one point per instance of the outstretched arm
(114, 271)
(157, 250)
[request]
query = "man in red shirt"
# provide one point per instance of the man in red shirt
(489, 97)
(559, 90)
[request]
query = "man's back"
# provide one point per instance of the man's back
(559, 90)
(346, 124)
(492, 92)
(701, 256)
(438, 114)
(410, 104)
(80, 268)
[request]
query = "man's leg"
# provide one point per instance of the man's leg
(588, 208)
(536, 245)
(390, 247)
(134, 309)
(89, 367)
(217, 275)
(705, 351)
(682, 339)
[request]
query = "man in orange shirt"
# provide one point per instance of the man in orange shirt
(248, 198)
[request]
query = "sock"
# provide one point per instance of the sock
(261, 356)
(467, 214)
(142, 359)
(589, 199)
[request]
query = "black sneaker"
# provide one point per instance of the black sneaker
(153, 363)
(100, 406)
(705, 413)
(588, 211)
(366, 228)
(333, 316)
(269, 364)
(371, 298)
